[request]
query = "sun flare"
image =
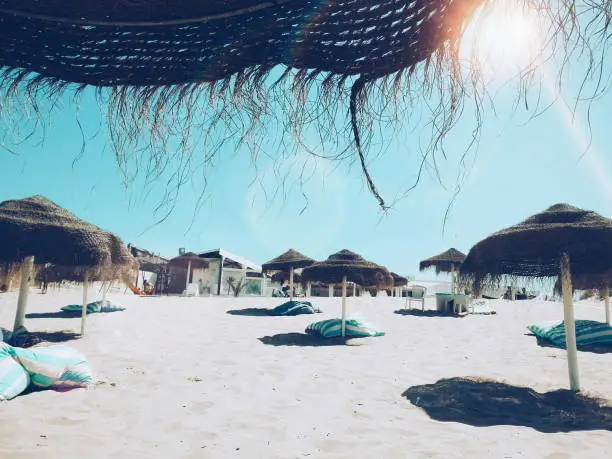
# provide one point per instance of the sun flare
(502, 39)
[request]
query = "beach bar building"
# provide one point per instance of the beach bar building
(224, 265)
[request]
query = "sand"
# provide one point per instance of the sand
(182, 378)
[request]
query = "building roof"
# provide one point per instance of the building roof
(218, 253)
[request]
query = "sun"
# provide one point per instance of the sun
(502, 39)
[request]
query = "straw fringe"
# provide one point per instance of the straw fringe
(231, 101)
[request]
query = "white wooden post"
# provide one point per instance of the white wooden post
(330, 290)
(291, 284)
(354, 289)
(84, 308)
(570, 324)
(607, 304)
(188, 273)
(24, 288)
(452, 278)
(344, 306)
(308, 289)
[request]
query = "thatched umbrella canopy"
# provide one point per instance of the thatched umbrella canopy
(288, 261)
(283, 276)
(561, 241)
(346, 266)
(445, 262)
(188, 261)
(399, 281)
(36, 230)
(163, 60)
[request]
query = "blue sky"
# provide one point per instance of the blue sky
(520, 168)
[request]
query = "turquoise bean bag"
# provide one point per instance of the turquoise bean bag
(587, 332)
(332, 328)
(294, 308)
(96, 306)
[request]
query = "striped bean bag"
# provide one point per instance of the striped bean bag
(13, 378)
(294, 308)
(332, 328)
(587, 332)
(55, 366)
(96, 306)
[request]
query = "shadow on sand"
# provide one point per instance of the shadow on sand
(484, 403)
(425, 313)
(29, 339)
(303, 339)
(53, 315)
(250, 312)
(592, 348)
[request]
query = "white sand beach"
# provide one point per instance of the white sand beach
(182, 378)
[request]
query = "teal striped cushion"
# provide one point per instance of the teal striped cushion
(294, 308)
(332, 328)
(13, 378)
(587, 332)
(55, 366)
(96, 306)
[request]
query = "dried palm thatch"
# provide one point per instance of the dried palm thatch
(290, 259)
(189, 259)
(399, 281)
(37, 227)
(219, 70)
(444, 262)
(57, 273)
(349, 264)
(533, 248)
(148, 261)
(283, 276)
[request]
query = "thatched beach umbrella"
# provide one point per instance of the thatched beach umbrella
(288, 261)
(189, 260)
(346, 266)
(561, 242)
(36, 230)
(445, 262)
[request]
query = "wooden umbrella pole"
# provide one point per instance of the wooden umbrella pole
(84, 309)
(291, 284)
(570, 324)
(607, 304)
(452, 278)
(188, 273)
(344, 306)
(24, 288)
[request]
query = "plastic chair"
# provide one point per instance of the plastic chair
(192, 290)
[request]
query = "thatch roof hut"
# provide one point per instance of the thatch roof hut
(39, 231)
(284, 276)
(560, 242)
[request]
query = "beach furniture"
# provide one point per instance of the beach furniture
(418, 295)
(192, 290)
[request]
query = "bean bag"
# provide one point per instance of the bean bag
(55, 366)
(96, 306)
(332, 328)
(13, 377)
(294, 308)
(587, 332)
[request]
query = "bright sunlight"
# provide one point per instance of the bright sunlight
(502, 39)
